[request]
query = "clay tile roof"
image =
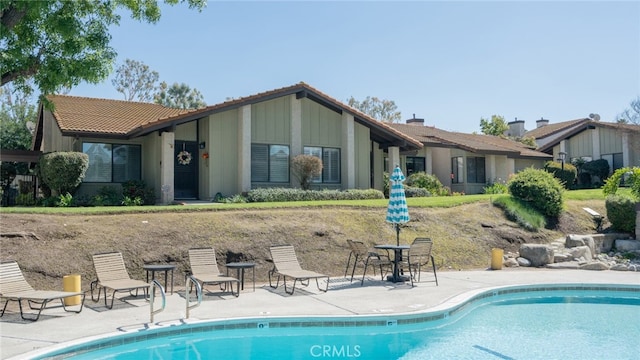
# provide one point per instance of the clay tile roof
(102, 116)
(483, 144)
(547, 130)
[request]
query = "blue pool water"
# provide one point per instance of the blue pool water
(540, 322)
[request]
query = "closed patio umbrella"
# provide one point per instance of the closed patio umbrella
(397, 211)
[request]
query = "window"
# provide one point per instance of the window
(330, 163)
(475, 170)
(614, 160)
(112, 162)
(457, 170)
(415, 164)
(269, 163)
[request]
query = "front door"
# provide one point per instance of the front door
(185, 181)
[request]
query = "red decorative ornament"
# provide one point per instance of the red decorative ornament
(205, 155)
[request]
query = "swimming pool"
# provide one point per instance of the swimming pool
(520, 322)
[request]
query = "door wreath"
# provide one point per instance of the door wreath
(184, 157)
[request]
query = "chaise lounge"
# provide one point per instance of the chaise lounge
(285, 263)
(112, 274)
(14, 287)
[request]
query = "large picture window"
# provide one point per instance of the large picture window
(415, 164)
(269, 163)
(112, 163)
(330, 163)
(476, 170)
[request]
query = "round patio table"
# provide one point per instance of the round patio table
(397, 257)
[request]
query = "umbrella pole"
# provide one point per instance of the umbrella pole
(397, 234)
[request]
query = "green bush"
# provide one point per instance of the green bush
(539, 189)
(62, 172)
(426, 181)
(599, 168)
(25, 199)
(410, 191)
(139, 189)
(496, 188)
(290, 194)
(621, 212)
(127, 201)
(630, 176)
(567, 176)
(107, 196)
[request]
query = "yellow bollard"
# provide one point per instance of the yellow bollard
(72, 283)
(496, 259)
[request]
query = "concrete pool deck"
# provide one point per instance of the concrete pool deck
(19, 338)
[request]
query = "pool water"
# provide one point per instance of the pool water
(525, 324)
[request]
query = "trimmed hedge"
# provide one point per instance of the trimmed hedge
(621, 212)
(426, 181)
(567, 176)
(294, 194)
(63, 172)
(538, 188)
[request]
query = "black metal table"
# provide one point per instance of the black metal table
(153, 268)
(240, 266)
(397, 257)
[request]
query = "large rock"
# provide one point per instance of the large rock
(627, 245)
(596, 265)
(538, 254)
(572, 241)
(579, 252)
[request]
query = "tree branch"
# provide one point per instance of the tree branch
(11, 16)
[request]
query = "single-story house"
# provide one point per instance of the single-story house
(466, 163)
(227, 148)
(587, 138)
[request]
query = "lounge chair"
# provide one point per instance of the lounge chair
(285, 263)
(204, 268)
(112, 274)
(14, 287)
(361, 254)
(419, 255)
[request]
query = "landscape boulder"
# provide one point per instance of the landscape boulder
(537, 254)
(627, 245)
(573, 240)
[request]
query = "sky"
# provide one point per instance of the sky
(450, 63)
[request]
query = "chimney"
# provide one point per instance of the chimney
(415, 122)
(542, 122)
(516, 128)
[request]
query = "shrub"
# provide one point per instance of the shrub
(305, 168)
(631, 176)
(25, 199)
(139, 189)
(426, 181)
(599, 168)
(496, 188)
(289, 194)
(65, 200)
(107, 196)
(127, 201)
(410, 191)
(538, 188)
(621, 212)
(567, 176)
(62, 172)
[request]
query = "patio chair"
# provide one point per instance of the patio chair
(204, 268)
(14, 287)
(285, 263)
(419, 255)
(112, 274)
(361, 254)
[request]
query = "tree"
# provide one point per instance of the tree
(496, 126)
(16, 117)
(61, 43)
(179, 96)
(136, 81)
(382, 110)
(305, 168)
(632, 114)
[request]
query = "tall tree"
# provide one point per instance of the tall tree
(179, 96)
(496, 126)
(630, 115)
(136, 81)
(382, 110)
(61, 43)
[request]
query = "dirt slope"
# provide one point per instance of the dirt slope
(53, 246)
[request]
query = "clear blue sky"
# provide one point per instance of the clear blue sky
(450, 63)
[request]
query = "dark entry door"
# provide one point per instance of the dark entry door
(185, 181)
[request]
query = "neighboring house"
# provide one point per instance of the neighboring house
(588, 139)
(233, 147)
(466, 163)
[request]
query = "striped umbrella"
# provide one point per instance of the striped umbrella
(397, 211)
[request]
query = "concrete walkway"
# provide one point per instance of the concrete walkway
(22, 339)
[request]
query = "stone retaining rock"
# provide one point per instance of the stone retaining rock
(537, 254)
